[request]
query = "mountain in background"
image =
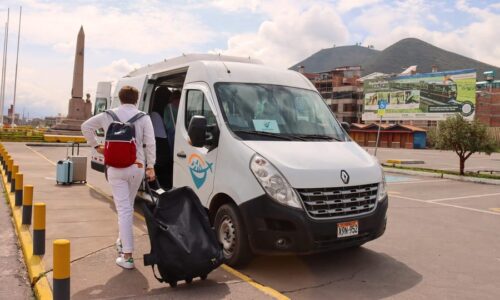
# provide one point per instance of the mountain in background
(331, 58)
(393, 59)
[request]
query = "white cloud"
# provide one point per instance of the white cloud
(290, 36)
(116, 69)
(347, 5)
(386, 24)
(145, 30)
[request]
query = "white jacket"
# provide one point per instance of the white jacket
(144, 133)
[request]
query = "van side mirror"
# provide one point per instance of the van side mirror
(346, 126)
(197, 131)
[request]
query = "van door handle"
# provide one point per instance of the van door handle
(181, 154)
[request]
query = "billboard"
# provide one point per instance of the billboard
(428, 96)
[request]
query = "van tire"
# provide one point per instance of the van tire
(232, 234)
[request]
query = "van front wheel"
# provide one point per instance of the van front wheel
(232, 235)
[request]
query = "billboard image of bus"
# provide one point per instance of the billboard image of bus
(428, 96)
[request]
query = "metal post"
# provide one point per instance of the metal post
(378, 136)
(4, 67)
(17, 59)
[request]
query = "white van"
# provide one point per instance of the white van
(266, 156)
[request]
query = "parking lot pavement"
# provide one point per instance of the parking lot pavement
(447, 249)
(441, 242)
(437, 159)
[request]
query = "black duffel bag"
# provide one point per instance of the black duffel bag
(183, 244)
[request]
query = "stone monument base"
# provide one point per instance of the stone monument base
(67, 127)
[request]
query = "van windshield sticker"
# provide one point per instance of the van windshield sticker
(266, 126)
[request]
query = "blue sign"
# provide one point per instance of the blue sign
(382, 104)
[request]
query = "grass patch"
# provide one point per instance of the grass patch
(467, 174)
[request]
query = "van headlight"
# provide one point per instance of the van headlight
(273, 182)
(382, 189)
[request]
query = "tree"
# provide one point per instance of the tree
(463, 137)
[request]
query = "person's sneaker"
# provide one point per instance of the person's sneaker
(126, 264)
(119, 246)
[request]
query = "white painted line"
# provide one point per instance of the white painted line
(463, 197)
(449, 205)
(418, 181)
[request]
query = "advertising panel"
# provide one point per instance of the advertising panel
(428, 96)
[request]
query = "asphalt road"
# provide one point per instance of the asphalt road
(442, 242)
(443, 160)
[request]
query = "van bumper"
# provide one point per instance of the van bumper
(277, 229)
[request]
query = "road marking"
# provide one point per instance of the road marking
(418, 181)
(264, 289)
(449, 205)
(496, 209)
(463, 197)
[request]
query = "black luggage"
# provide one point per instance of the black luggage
(183, 244)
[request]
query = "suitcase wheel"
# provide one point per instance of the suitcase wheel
(189, 280)
(203, 277)
(173, 283)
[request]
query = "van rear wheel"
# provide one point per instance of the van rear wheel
(232, 234)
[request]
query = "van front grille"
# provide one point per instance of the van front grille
(327, 203)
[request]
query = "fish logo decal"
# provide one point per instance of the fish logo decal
(199, 168)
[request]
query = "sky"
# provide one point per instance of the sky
(126, 34)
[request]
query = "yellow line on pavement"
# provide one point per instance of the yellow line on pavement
(497, 209)
(265, 289)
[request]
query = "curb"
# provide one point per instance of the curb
(34, 264)
(443, 175)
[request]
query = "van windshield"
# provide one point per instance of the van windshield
(272, 112)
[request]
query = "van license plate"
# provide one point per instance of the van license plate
(347, 229)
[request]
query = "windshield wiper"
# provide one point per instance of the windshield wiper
(269, 134)
(318, 137)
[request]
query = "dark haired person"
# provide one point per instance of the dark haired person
(164, 164)
(125, 182)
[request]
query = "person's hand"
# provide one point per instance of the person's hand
(100, 149)
(150, 174)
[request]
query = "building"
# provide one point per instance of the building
(341, 90)
(391, 135)
(488, 102)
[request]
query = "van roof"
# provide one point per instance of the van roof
(185, 60)
(213, 68)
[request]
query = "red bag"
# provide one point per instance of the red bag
(119, 147)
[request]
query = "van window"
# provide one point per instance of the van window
(197, 105)
(265, 111)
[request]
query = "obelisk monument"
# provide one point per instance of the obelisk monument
(79, 109)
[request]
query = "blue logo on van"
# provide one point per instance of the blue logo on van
(199, 169)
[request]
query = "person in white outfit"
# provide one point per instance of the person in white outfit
(125, 182)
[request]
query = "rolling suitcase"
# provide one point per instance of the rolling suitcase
(64, 172)
(183, 244)
(79, 164)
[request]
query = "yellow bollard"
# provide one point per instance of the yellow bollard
(27, 201)
(61, 283)
(18, 182)
(39, 229)
(10, 162)
(15, 170)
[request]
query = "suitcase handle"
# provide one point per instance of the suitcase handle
(73, 148)
(150, 192)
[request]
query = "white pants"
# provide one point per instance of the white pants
(125, 182)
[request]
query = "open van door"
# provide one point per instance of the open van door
(104, 101)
